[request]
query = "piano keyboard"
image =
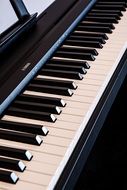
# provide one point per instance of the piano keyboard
(40, 129)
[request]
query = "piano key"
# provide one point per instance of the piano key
(95, 29)
(46, 148)
(42, 168)
(74, 68)
(55, 140)
(91, 34)
(7, 163)
(110, 7)
(32, 177)
(104, 15)
(88, 38)
(60, 83)
(37, 176)
(20, 137)
(72, 111)
(99, 71)
(36, 106)
(68, 61)
(44, 157)
(58, 125)
(111, 3)
(62, 74)
(82, 43)
(99, 75)
(73, 98)
(8, 176)
(55, 130)
(96, 69)
(28, 128)
(26, 181)
(50, 89)
(118, 12)
(61, 132)
(79, 49)
(105, 19)
(22, 185)
(97, 24)
(42, 99)
(15, 153)
(31, 114)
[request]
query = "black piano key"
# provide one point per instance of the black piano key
(74, 68)
(8, 177)
(95, 29)
(50, 89)
(7, 163)
(62, 74)
(91, 34)
(118, 12)
(24, 127)
(111, 3)
(77, 55)
(110, 7)
(15, 153)
(105, 19)
(82, 43)
(31, 114)
(42, 99)
(76, 62)
(20, 137)
(87, 38)
(97, 24)
(36, 106)
(105, 15)
(78, 49)
(54, 82)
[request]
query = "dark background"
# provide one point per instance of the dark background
(106, 167)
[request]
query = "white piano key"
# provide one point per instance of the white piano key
(78, 105)
(73, 98)
(70, 118)
(42, 168)
(39, 179)
(43, 157)
(58, 124)
(21, 185)
(83, 92)
(75, 111)
(46, 148)
(54, 140)
(61, 132)
(46, 158)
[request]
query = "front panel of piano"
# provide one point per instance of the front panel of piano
(48, 130)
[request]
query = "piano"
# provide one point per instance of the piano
(58, 81)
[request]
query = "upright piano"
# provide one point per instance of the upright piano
(60, 72)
